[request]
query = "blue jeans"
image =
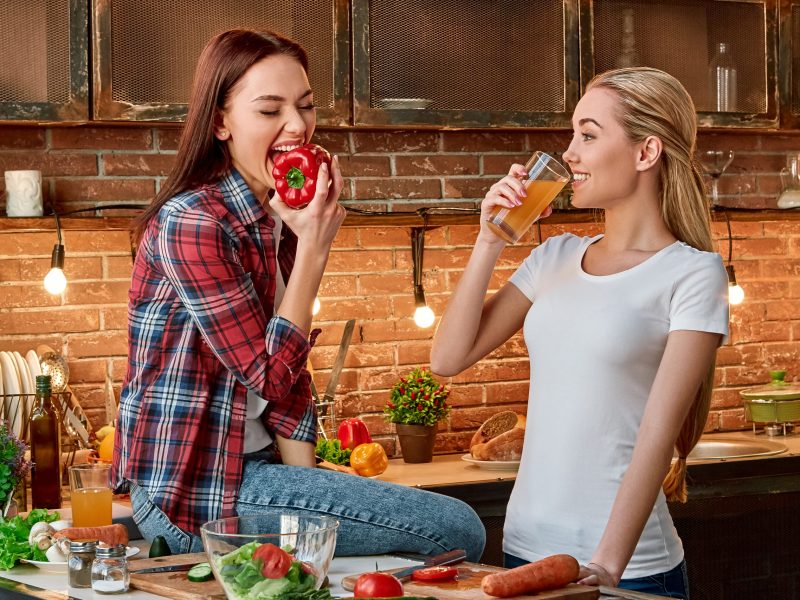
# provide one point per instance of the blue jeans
(671, 584)
(374, 517)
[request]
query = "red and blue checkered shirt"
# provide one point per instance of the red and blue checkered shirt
(201, 333)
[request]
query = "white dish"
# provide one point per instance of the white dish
(492, 465)
(26, 386)
(61, 567)
(11, 388)
(33, 364)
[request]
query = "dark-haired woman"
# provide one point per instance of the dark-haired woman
(219, 328)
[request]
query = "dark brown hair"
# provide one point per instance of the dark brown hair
(201, 157)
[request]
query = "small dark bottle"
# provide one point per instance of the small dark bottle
(45, 434)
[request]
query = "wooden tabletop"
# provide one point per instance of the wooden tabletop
(446, 469)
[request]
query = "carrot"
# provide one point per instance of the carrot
(109, 534)
(549, 573)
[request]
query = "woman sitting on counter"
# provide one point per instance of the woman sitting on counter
(219, 328)
(622, 330)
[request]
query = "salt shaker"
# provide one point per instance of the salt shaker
(110, 570)
(79, 563)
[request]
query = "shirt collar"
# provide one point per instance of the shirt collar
(240, 199)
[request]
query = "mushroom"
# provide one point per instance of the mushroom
(54, 555)
(43, 541)
(40, 528)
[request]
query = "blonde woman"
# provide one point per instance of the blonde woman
(622, 330)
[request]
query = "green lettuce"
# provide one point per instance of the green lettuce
(14, 533)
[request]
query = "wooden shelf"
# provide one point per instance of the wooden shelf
(398, 219)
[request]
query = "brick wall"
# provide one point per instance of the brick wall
(369, 273)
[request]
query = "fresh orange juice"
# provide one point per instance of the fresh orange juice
(511, 223)
(91, 507)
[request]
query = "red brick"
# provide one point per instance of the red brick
(498, 165)
(415, 353)
(733, 419)
(109, 138)
(434, 165)
(111, 343)
(769, 184)
(378, 331)
(354, 307)
(359, 261)
(347, 382)
(167, 138)
(390, 283)
(34, 269)
(472, 418)
(118, 369)
(786, 267)
(118, 267)
(785, 141)
(88, 241)
(783, 310)
(64, 320)
(90, 191)
(484, 141)
(365, 166)
(24, 295)
(335, 141)
(394, 188)
(114, 318)
(385, 237)
(97, 292)
(758, 248)
(436, 259)
(395, 141)
(87, 371)
(16, 244)
(487, 371)
(726, 398)
(466, 395)
(21, 138)
(781, 228)
(336, 285)
(467, 187)
(51, 165)
(138, 164)
(464, 235)
(504, 393)
(346, 237)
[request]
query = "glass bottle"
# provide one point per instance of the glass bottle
(45, 434)
(722, 76)
(79, 563)
(110, 570)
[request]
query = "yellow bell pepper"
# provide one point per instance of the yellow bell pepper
(369, 459)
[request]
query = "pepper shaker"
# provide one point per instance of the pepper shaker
(110, 570)
(79, 563)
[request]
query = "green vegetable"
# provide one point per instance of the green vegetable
(201, 572)
(332, 451)
(14, 533)
(159, 547)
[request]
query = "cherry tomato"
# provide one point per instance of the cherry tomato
(275, 562)
(438, 573)
(377, 585)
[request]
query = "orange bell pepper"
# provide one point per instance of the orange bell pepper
(369, 459)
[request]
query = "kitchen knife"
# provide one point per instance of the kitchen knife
(626, 594)
(164, 569)
(325, 403)
(446, 558)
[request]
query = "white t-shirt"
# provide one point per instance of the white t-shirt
(256, 435)
(595, 343)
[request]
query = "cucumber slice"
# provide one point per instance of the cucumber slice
(201, 572)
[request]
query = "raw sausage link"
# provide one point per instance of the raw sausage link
(549, 573)
(108, 534)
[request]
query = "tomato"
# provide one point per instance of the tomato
(439, 573)
(275, 562)
(378, 585)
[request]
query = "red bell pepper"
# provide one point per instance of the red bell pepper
(353, 432)
(295, 173)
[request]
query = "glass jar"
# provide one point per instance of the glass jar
(110, 570)
(79, 563)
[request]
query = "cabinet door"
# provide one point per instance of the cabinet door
(723, 51)
(789, 61)
(145, 51)
(465, 62)
(43, 60)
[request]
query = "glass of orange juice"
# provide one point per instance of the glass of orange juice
(90, 495)
(546, 178)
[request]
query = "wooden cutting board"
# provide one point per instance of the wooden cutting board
(468, 587)
(175, 584)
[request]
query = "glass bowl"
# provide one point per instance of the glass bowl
(232, 542)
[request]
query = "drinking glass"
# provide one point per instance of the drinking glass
(546, 178)
(90, 495)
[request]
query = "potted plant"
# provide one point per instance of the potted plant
(13, 469)
(416, 405)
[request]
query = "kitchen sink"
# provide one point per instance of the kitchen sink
(720, 447)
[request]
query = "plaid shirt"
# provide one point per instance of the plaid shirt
(201, 333)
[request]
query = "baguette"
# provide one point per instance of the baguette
(499, 438)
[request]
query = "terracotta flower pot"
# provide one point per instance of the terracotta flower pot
(416, 442)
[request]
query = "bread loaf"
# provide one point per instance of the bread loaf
(499, 438)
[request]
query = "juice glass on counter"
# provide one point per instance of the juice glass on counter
(90, 495)
(546, 178)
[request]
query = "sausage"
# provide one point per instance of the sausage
(108, 534)
(549, 573)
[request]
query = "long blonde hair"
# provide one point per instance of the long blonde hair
(654, 103)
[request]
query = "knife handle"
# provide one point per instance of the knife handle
(447, 558)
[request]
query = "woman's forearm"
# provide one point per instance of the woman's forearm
(296, 453)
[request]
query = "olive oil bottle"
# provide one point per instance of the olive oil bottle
(45, 432)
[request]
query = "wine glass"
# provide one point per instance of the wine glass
(714, 163)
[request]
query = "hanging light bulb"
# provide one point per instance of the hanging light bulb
(316, 306)
(55, 282)
(735, 291)
(423, 315)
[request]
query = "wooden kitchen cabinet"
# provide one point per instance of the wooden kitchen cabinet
(789, 59)
(145, 51)
(44, 61)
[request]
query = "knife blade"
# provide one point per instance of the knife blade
(339, 362)
(446, 558)
(164, 569)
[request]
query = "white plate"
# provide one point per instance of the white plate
(492, 465)
(33, 364)
(61, 567)
(11, 388)
(25, 384)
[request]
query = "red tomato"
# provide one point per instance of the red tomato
(439, 573)
(377, 585)
(275, 562)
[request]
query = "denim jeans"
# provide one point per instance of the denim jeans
(670, 584)
(375, 517)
